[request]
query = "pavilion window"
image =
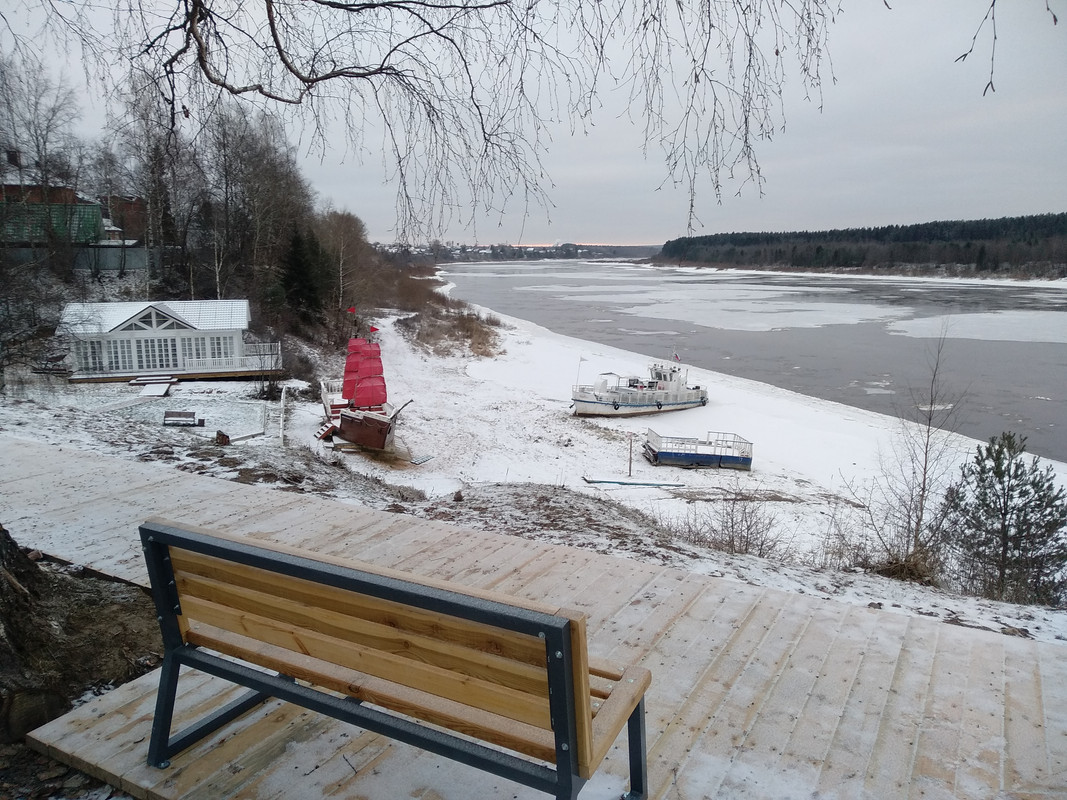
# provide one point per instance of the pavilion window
(89, 355)
(194, 348)
(222, 347)
(157, 353)
(120, 355)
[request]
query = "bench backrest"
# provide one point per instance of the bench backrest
(470, 661)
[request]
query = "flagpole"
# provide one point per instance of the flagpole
(578, 377)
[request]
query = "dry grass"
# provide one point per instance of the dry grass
(446, 331)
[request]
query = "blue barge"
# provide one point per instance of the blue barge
(715, 450)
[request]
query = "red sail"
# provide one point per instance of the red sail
(369, 392)
(363, 383)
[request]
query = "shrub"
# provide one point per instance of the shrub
(739, 523)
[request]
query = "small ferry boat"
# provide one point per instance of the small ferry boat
(612, 395)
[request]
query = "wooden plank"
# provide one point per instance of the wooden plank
(514, 704)
(847, 645)
(421, 634)
(652, 612)
(614, 713)
(226, 760)
(108, 737)
(89, 735)
(750, 693)
(855, 718)
(349, 563)
(1053, 674)
(426, 622)
(937, 741)
(704, 687)
(156, 389)
(1026, 763)
(583, 714)
(979, 756)
(882, 755)
(542, 573)
(784, 704)
(320, 632)
(486, 573)
(546, 571)
(333, 765)
(450, 563)
(628, 582)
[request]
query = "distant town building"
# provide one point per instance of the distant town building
(55, 222)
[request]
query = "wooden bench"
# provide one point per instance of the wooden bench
(501, 684)
(180, 418)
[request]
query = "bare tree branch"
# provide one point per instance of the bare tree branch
(465, 93)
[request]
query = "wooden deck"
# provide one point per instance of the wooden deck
(756, 693)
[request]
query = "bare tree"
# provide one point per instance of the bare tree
(344, 236)
(276, 196)
(739, 522)
(37, 117)
(901, 504)
(160, 167)
(45, 159)
(466, 93)
(989, 25)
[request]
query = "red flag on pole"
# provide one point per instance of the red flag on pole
(351, 309)
(373, 329)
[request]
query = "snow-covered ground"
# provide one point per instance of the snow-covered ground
(499, 448)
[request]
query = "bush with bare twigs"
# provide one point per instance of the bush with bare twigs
(738, 523)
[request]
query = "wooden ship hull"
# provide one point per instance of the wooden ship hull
(367, 428)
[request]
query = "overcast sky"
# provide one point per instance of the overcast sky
(905, 135)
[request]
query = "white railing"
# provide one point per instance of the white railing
(242, 363)
(263, 349)
(715, 442)
(258, 356)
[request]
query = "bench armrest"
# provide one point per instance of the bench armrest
(616, 710)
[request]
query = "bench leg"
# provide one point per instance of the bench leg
(162, 746)
(161, 721)
(635, 734)
(568, 786)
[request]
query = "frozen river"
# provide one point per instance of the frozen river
(867, 342)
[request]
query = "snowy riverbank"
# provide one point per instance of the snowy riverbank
(501, 433)
(507, 421)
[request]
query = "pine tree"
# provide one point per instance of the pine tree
(302, 268)
(1006, 519)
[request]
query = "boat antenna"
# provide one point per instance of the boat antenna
(578, 377)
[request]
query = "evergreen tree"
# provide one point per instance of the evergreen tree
(1006, 519)
(303, 266)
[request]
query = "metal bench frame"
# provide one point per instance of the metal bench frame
(563, 781)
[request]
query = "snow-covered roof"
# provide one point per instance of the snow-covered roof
(204, 315)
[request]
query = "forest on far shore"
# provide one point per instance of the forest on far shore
(1035, 246)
